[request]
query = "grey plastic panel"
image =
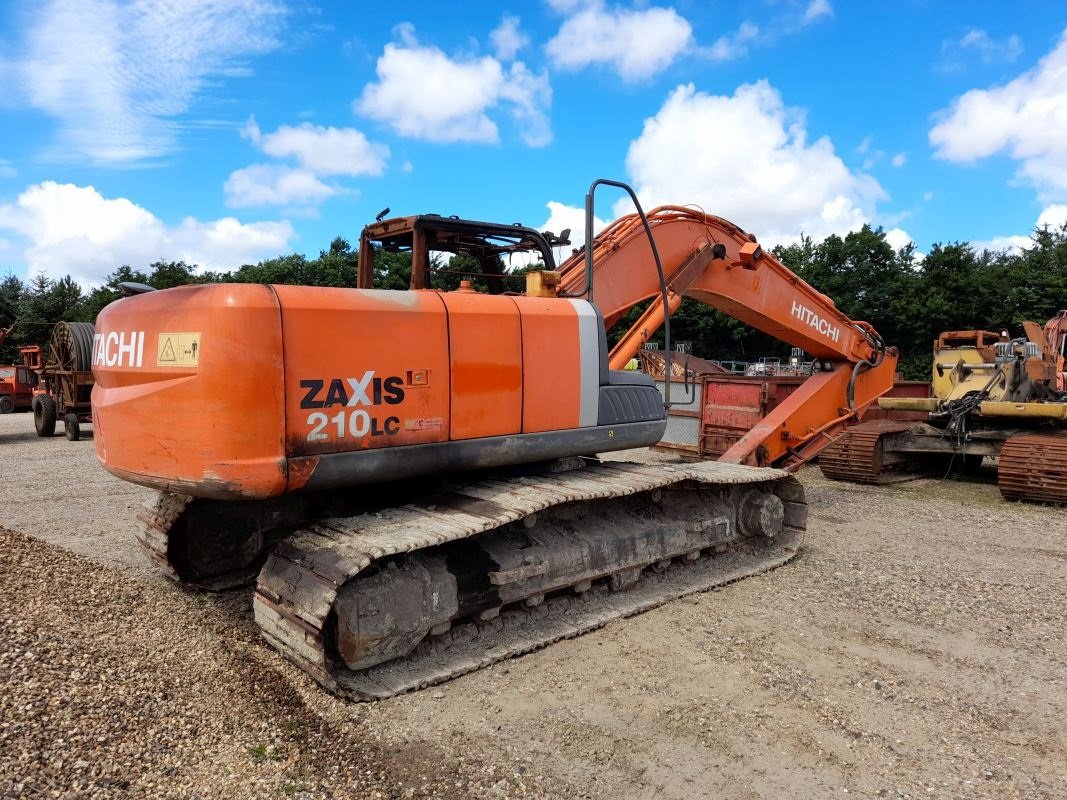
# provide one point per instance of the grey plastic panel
(621, 404)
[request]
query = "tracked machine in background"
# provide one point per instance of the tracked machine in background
(992, 397)
(410, 476)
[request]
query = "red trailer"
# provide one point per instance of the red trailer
(725, 407)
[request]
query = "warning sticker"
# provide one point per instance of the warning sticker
(178, 350)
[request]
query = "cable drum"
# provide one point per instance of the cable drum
(72, 346)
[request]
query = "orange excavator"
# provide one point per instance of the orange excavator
(411, 476)
(1056, 333)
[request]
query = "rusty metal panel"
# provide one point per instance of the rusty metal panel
(730, 409)
(900, 389)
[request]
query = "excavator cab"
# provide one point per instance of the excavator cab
(624, 395)
(488, 244)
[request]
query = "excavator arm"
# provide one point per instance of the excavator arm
(711, 260)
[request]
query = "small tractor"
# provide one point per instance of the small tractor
(64, 380)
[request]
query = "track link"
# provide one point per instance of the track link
(297, 595)
(154, 523)
(215, 544)
(1033, 468)
(857, 455)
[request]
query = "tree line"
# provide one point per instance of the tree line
(909, 300)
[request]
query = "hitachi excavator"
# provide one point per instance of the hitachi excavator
(991, 396)
(410, 476)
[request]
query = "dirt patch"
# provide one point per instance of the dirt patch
(914, 649)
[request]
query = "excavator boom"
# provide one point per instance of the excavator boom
(715, 262)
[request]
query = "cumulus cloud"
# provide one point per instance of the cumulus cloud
(900, 159)
(275, 184)
(898, 238)
(1002, 244)
(507, 39)
(116, 75)
(67, 229)
(560, 218)
(422, 93)
(321, 150)
(747, 157)
(1053, 217)
(636, 43)
(1024, 118)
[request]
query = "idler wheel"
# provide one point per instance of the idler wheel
(761, 514)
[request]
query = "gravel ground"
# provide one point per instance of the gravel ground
(914, 649)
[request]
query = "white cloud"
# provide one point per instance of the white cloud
(567, 6)
(746, 157)
(898, 238)
(990, 49)
(116, 75)
(1025, 118)
(561, 217)
(817, 9)
(424, 94)
(275, 184)
(1002, 244)
(899, 160)
(321, 150)
(727, 48)
(1053, 217)
(68, 229)
(637, 44)
(7, 169)
(977, 43)
(507, 39)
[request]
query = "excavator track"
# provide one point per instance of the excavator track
(212, 544)
(1033, 468)
(858, 456)
(377, 604)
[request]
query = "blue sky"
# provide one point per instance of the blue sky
(225, 132)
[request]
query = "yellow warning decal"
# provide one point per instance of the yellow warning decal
(178, 350)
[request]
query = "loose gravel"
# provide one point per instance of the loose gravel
(914, 649)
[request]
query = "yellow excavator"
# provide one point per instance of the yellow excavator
(992, 396)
